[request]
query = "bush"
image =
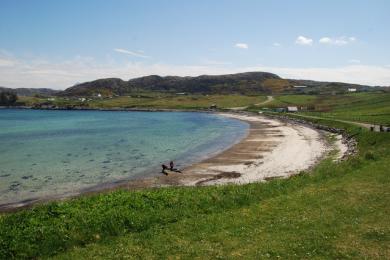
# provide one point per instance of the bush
(8, 98)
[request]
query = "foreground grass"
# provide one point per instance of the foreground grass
(338, 211)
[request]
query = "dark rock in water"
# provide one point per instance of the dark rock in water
(27, 177)
(69, 154)
(33, 191)
(14, 186)
(34, 179)
(104, 167)
(5, 175)
(124, 171)
(85, 148)
(92, 160)
(108, 154)
(34, 164)
(107, 161)
(82, 175)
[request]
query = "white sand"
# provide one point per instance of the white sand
(298, 148)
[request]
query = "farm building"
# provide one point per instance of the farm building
(292, 109)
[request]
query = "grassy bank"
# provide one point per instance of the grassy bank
(338, 211)
(362, 107)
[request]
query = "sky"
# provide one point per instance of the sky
(56, 44)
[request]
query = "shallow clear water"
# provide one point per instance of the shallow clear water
(53, 153)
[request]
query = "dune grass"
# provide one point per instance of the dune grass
(337, 211)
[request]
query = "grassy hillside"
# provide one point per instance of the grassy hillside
(362, 107)
(337, 211)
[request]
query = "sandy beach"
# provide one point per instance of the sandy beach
(271, 149)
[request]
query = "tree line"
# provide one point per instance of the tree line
(8, 98)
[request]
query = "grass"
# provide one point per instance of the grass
(180, 102)
(361, 107)
(337, 211)
(156, 100)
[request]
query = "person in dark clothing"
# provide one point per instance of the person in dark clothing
(164, 169)
(172, 167)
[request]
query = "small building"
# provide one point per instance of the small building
(99, 95)
(352, 90)
(300, 86)
(292, 109)
(82, 99)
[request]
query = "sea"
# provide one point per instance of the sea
(59, 153)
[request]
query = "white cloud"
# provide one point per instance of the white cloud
(59, 75)
(4, 62)
(359, 74)
(302, 40)
(338, 41)
(132, 53)
(354, 61)
(241, 45)
(276, 44)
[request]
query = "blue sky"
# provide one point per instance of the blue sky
(59, 43)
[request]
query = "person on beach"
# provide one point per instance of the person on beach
(164, 169)
(172, 165)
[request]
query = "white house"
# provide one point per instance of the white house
(300, 86)
(292, 109)
(352, 90)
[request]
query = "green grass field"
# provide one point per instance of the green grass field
(155, 100)
(361, 107)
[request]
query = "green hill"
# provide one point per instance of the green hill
(240, 83)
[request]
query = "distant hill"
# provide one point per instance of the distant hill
(31, 91)
(249, 82)
(242, 83)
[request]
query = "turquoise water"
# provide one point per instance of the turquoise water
(45, 153)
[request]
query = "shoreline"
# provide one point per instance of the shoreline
(268, 151)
